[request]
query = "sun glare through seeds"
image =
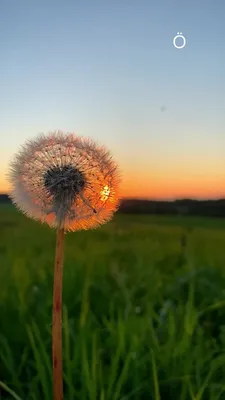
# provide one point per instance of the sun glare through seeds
(105, 193)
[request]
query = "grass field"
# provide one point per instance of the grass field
(144, 309)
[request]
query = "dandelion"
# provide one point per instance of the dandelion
(70, 183)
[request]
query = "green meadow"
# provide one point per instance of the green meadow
(144, 309)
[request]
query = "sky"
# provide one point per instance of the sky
(109, 70)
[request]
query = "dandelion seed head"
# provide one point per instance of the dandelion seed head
(67, 180)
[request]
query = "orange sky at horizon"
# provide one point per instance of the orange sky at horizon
(159, 175)
(162, 187)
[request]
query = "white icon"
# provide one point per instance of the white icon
(179, 35)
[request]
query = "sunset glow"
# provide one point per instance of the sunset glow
(162, 187)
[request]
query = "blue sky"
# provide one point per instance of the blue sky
(105, 69)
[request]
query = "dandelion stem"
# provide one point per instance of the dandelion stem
(57, 318)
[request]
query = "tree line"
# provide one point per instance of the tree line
(210, 208)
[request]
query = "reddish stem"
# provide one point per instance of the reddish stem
(57, 318)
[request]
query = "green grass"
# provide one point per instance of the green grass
(144, 309)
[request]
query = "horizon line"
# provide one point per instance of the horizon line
(171, 199)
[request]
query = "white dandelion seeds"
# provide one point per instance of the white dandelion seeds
(65, 180)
